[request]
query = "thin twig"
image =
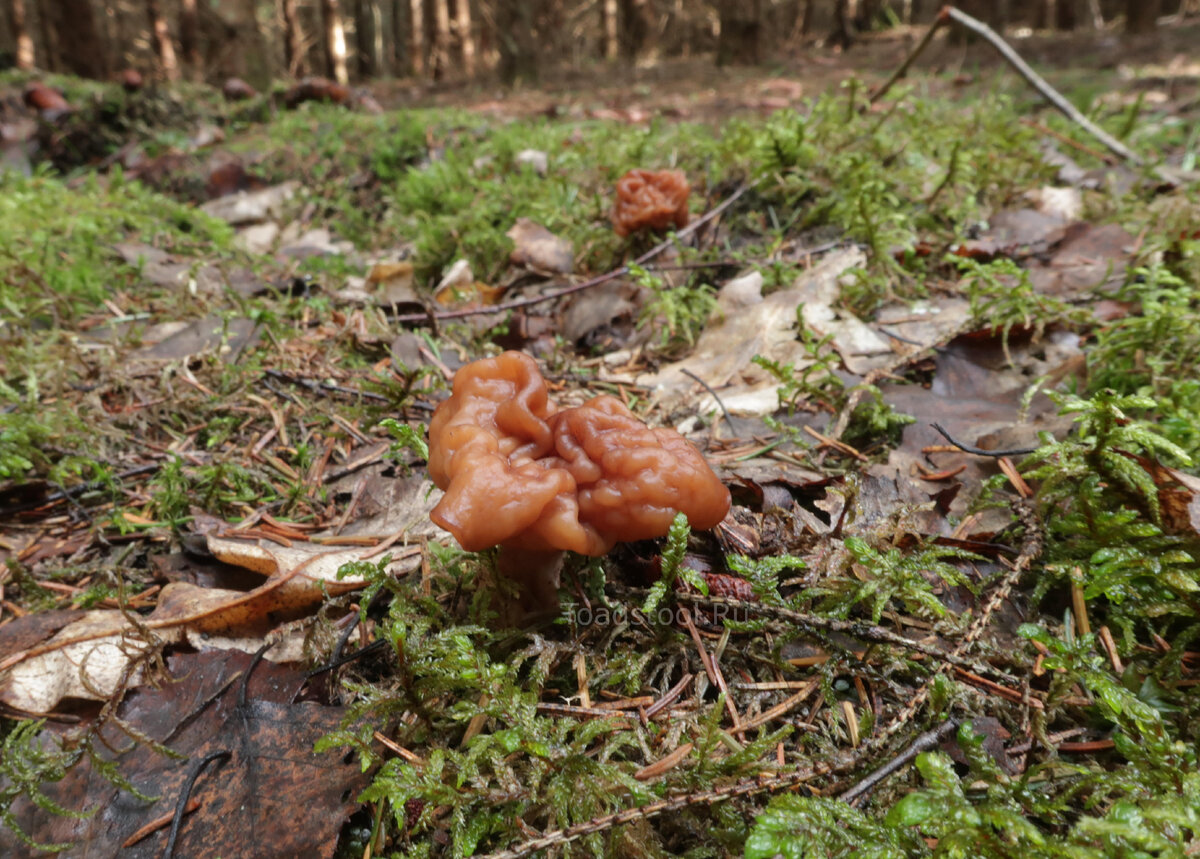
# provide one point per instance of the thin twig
(1049, 93)
(157, 824)
(838, 763)
(1069, 141)
(859, 629)
(181, 806)
(923, 743)
(345, 660)
(694, 266)
(888, 332)
(82, 489)
(704, 384)
(245, 684)
(201, 707)
(1039, 83)
(338, 474)
(941, 19)
(978, 451)
(417, 318)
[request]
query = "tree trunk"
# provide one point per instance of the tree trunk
(80, 50)
(637, 28)
(189, 39)
(293, 38)
(864, 16)
(160, 34)
(416, 36)
(740, 26)
(364, 37)
(259, 68)
(16, 25)
(465, 36)
(1141, 16)
(610, 44)
(335, 42)
(1065, 15)
(399, 53)
(439, 58)
(518, 43)
(377, 60)
(49, 43)
(842, 35)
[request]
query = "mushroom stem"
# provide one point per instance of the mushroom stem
(536, 575)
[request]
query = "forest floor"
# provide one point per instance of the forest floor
(941, 346)
(696, 89)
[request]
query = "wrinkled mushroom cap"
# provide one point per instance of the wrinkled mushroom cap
(519, 472)
(651, 200)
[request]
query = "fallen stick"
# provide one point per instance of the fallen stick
(951, 14)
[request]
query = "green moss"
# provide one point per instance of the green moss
(57, 260)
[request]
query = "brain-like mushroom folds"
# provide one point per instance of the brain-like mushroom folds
(651, 200)
(521, 473)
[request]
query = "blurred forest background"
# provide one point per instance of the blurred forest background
(485, 40)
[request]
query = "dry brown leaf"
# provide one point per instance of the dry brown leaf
(1180, 502)
(272, 797)
(97, 655)
(539, 249)
(393, 283)
(743, 328)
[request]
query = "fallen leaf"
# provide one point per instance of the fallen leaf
(535, 158)
(605, 316)
(97, 655)
(1090, 257)
(1015, 233)
(251, 207)
(257, 238)
(229, 338)
(741, 329)
(977, 398)
(539, 249)
(1066, 204)
(392, 284)
(1179, 498)
(230, 177)
(318, 242)
(22, 632)
(273, 784)
(90, 659)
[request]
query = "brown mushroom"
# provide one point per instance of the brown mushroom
(316, 89)
(651, 200)
(131, 80)
(236, 89)
(45, 100)
(520, 473)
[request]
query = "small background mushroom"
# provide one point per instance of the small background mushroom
(651, 200)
